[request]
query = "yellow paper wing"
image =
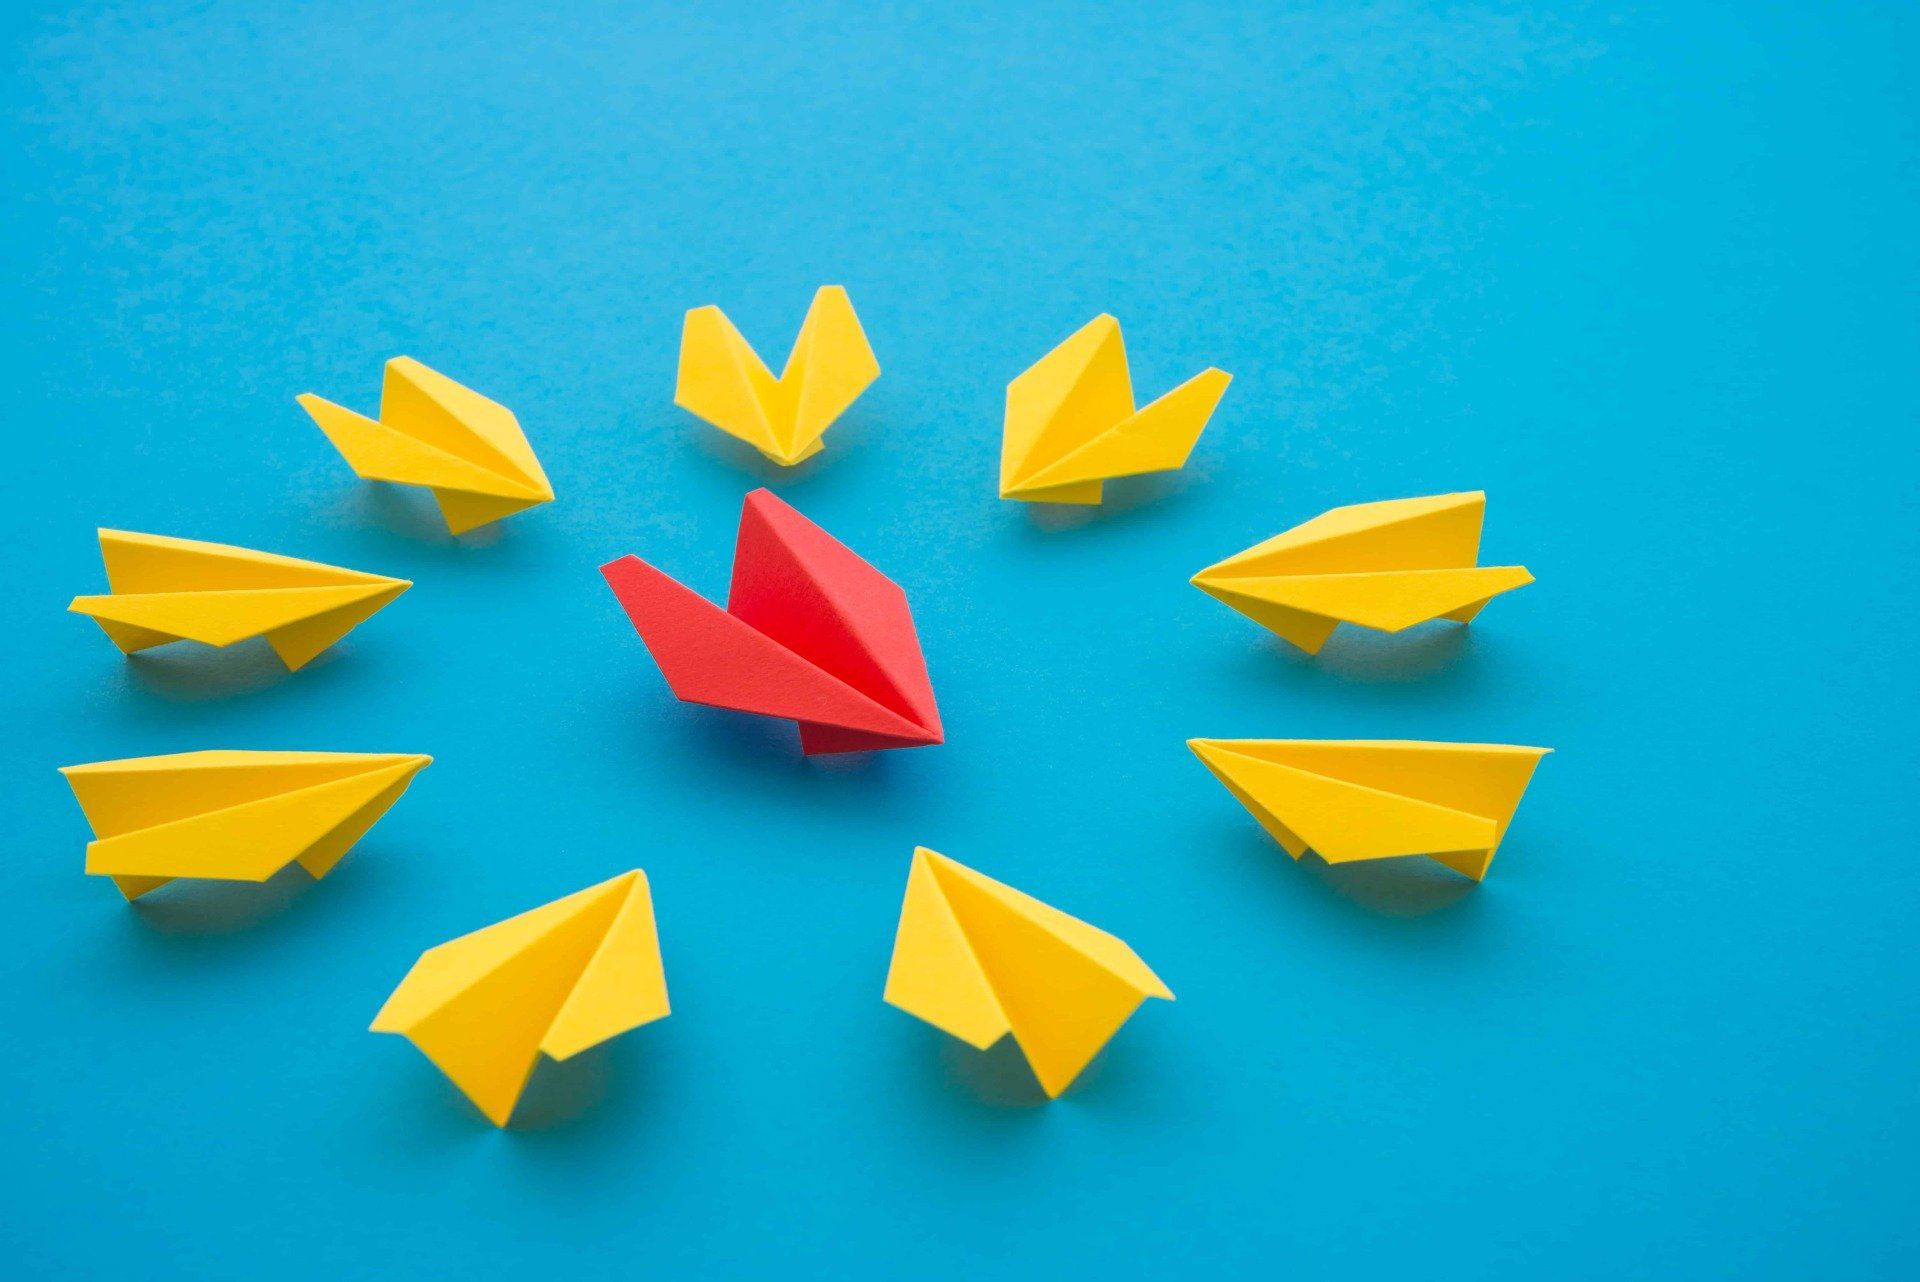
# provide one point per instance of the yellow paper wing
(167, 589)
(1074, 393)
(1156, 438)
(231, 815)
(724, 381)
(1376, 799)
(143, 563)
(558, 978)
(222, 618)
(934, 974)
(1387, 600)
(455, 419)
(378, 452)
(624, 984)
(1387, 565)
(830, 366)
(998, 960)
(1437, 533)
(432, 431)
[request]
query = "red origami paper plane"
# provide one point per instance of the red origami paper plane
(811, 632)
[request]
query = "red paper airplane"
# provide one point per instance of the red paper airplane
(810, 632)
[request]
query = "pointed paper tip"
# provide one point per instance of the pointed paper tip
(1215, 576)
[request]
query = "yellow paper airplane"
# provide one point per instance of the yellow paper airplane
(724, 381)
(557, 979)
(981, 960)
(183, 590)
(1071, 423)
(1380, 565)
(467, 449)
(1375, 799)
(234, 816)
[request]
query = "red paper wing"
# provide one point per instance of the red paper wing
(798, 584)
(819, 740)
(710, 657)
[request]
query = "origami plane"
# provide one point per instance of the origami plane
(467, 449)
(980, 960)
(1071, 423)
(811, 632)
(237, 816)
(554, 980)
(183, 590)
(1376, 799)
(1380, 565)
(724, 381)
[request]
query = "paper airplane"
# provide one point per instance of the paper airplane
(811, 632)
(234, 816)
(1071, 423)
(555, 980)
(1376, 799)
(467, 449)
(981, 960)
(724, 381)
(183, 590)
(1380, 565)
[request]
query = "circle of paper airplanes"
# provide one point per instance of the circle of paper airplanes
(165, 589)
(724, 381)
(1386, 565)
(555, 981)
(980, 960)
(235, 816)
(811, 633)
(1071, 423)
(1377, 799)
(467, 449)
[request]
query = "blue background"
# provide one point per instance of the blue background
(1645, 274)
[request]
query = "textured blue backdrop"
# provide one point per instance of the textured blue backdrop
(1645, 274)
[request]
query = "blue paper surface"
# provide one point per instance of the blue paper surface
(1644, 274)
